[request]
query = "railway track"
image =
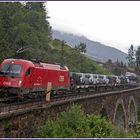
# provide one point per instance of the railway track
(70, 96)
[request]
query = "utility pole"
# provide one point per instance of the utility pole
(62, 51)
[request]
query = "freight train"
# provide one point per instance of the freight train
(23, 78)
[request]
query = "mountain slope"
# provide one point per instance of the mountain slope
(95, 50)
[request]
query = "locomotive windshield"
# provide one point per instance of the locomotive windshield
(12, 70)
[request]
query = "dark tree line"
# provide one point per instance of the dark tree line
(24, 27)
(134, 56)
(81, 47)
(117, 68)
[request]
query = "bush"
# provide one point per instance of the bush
(75, 124)
(99, 127)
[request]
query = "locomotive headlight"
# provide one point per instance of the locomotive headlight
(20, 82)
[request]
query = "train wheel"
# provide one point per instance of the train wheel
(77, 90)
(97, 88)
(53, 93)
(87, 89)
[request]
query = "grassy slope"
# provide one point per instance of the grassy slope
(75, 61)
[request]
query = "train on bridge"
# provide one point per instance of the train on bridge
(26, 78)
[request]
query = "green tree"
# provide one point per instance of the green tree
(24, 25)
(109, 61)
(81, 47)
(138, 57)
(74, 123)
(37, 28)
(131, 56)
(122, 65)
(118, 63)
(7, 44)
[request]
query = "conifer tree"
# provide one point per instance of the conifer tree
(131, 56)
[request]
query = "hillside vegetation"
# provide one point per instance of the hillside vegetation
(96, 50)
(26, 33)
(76, 61)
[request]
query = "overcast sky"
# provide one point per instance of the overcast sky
(114, 23)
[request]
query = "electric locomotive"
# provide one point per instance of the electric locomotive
(21, 77)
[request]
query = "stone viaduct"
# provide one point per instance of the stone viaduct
(119, 107)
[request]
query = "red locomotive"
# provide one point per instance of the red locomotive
(20, 77)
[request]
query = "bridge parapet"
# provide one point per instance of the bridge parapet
(119, 107)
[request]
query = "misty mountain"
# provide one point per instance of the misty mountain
(95, 50)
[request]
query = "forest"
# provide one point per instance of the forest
(26, 33)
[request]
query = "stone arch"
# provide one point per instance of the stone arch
(120, 114)
(103, 113)
(132, 113)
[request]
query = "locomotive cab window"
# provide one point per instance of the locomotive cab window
(12, 70)
(28, 72)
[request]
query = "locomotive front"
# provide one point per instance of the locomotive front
(12, 76)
